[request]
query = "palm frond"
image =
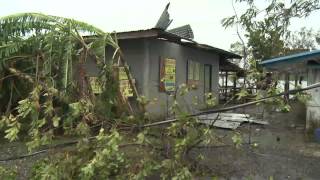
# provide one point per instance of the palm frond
(23, 24)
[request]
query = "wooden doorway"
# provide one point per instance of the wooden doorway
(207, 78)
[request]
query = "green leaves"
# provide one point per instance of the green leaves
(174, 171)
(141, 138)
(183, 89)
(237, 140)
(143, 100)
(55, 121)
(183, 174)
(303, 97)
(243, 93)
(106, 161)
(210, 99)
(8, 174)
(13, 127)
(83, 129)
(25, 107)
(44, 50)
(284, 107)
(267, 37)
(228, 22)
(148, 167)
(24, 23)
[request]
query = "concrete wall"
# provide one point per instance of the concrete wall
(163, 49)
(313, 106)
(135, 55)
(143, 57)
(146, 69)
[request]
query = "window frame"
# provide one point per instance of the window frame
(193, 72)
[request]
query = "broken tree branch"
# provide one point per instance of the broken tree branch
(167, 122)
(67, 144)
(233, 107)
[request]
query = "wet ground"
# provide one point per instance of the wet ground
(280, 150)
(283, 150)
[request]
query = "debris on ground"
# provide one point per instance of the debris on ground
(229, 120)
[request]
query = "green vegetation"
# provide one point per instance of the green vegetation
(45, 94)
(266, 26)
(266, 34)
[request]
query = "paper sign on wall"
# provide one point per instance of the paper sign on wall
(122, 74)
(170, 75)
(124, 84)
(96, 87)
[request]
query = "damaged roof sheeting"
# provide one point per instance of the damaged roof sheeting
(159, 33)
(183, 31)
(307, 58)
(164, 20)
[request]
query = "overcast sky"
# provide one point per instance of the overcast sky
(124, 15)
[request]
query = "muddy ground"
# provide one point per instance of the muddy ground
(283, 151)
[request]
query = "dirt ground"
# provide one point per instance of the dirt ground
(283, 149)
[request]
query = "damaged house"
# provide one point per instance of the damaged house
(160, 60)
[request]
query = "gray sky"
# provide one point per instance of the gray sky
(122, 15)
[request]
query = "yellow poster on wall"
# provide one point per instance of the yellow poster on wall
(122, 74)
(170, 75)
(125, 88)
(96, 86)
(124, 84)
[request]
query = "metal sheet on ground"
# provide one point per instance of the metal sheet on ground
(229, 120)
(222, 124)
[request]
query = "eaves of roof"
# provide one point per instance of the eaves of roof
(290, 59)
(158, 33)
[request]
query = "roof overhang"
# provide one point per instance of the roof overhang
(149, 33)
(164, 35)
(295, 62)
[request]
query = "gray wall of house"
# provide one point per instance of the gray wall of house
(164, 49)
(143, 57)
(134, 52)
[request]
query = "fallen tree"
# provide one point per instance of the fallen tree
(45, 95)
(141, 127)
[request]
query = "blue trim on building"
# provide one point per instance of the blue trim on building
(291, 58)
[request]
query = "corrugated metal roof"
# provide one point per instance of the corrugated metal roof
(159, 33)
(164, 20)
(183, 31)
(294, 58)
